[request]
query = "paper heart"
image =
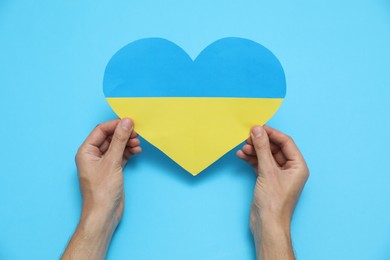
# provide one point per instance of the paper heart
(194, 111)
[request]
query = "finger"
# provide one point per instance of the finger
(275, 150)
(101, 132)
(133, 142)
(119, 139)
(136, 150)
(127, 153)
(277, 154)
(240, 154)
(104, 147)
(279, 158)
(249, 159)
(133, 134)
(249, 150)
(249, 140)
(273, 146)
(286, 144)
(263, 151)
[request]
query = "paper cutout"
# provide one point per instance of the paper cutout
(194, 111)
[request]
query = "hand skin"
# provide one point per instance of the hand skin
(100, 161)
(281, 175)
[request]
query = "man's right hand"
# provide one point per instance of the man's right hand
(282, 173)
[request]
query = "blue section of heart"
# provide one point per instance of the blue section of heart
(229, 67)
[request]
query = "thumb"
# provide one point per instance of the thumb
(263, 151)
(120, 139)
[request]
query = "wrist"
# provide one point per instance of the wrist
(97, 224)
(275, 228)
(271, 234)
(276, 221)
(92, 236)
(268, 221)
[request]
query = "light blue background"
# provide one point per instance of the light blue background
(336, 56)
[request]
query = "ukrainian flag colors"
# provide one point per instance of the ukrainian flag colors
(194, 111)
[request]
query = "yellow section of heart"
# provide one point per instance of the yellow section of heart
(195, 132)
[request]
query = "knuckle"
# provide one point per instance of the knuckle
(304, 173)
(78, 155)
(289, 139)
(307, 173)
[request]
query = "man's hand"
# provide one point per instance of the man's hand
(100, 161)
(282, 173)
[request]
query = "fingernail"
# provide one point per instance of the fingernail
(126, 124)
(257, 131)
